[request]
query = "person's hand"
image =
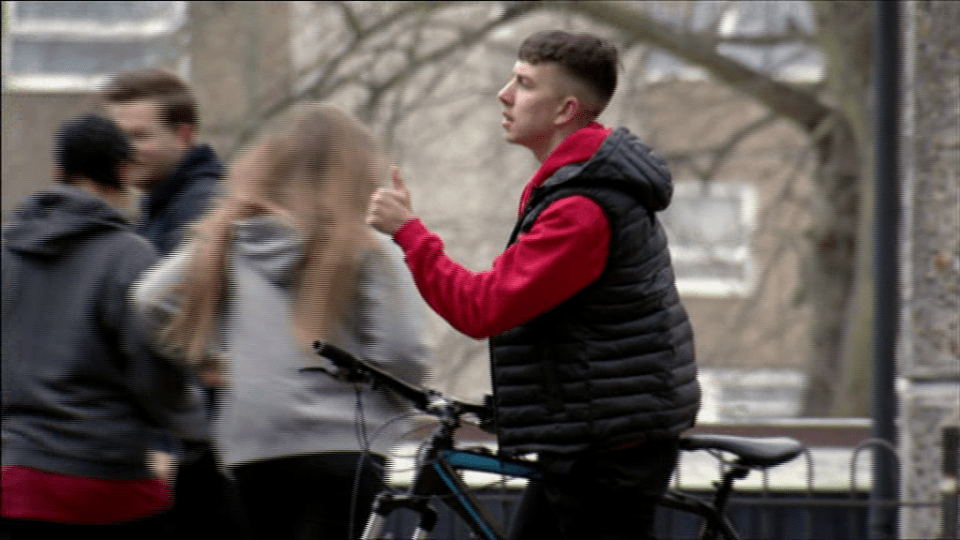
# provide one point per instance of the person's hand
(390, 208)
(163, 465)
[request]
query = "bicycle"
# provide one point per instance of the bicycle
(439, 461)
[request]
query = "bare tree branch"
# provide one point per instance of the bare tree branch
(766, 40)
(771, 213)
(468, 38)
(325, 83)
(329, 80)
(698, 49)
(720, 153)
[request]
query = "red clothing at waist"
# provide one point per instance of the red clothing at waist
(29, 493)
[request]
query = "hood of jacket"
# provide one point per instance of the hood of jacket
(270, 246)
(625, 162)
(50, 221)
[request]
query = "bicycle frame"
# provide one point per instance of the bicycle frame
(715, 521)
(437, 473)
(439, 478)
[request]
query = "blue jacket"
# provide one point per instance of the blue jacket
(180, 199)
(83, 393)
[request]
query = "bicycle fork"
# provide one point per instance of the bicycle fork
(386, 503)
(438, 479)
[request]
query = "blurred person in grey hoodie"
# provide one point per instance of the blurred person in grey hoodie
(283, 260)
(83, 391)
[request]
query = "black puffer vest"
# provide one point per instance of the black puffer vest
(614, 363)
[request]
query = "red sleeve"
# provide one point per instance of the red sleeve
(564, 251)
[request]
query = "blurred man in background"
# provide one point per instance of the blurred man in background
(178, 175)
(179, 178)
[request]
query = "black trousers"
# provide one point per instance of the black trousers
(205, 502)
(609, 495)
(151, 528)
(310, 497)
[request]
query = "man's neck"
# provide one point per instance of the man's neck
(165, 177)
(558, 137)
(118, 198)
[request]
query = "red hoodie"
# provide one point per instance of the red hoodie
(564, 251)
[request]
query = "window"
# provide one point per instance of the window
(789, 60)
(738, 22)
(74, 45)
(709, 227)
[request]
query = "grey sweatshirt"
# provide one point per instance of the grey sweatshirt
(270, 409)
(83, 392)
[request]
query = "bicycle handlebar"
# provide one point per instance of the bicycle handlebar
(751, 452)
(424, 399)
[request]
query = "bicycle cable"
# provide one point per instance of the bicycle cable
(364, 442)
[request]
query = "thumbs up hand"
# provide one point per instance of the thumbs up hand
(397, 180)
(390, 208)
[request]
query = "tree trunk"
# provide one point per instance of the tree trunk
(838, 270)
(828, 271)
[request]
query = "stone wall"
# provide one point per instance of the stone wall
(929, 355)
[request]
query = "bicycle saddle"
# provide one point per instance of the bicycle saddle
(752, 451)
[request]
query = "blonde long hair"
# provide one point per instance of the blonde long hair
(318, 173)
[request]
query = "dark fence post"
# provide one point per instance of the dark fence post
(883, 515)
(951, 471)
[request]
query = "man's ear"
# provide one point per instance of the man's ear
(568, 111)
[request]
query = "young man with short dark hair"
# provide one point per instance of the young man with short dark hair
(592, 355)
(178, 175)
(83, 393)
